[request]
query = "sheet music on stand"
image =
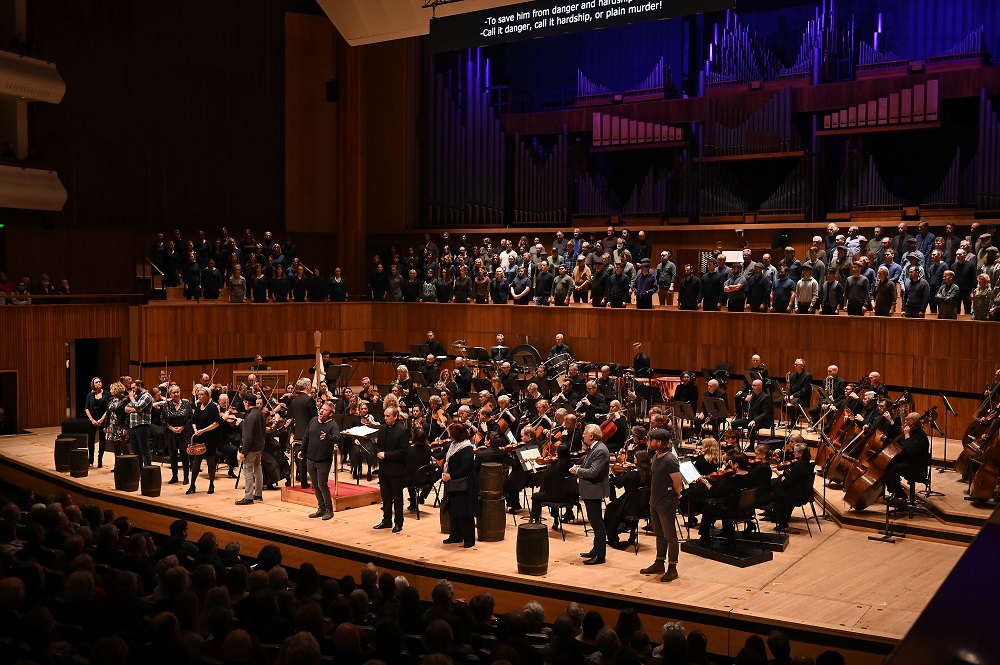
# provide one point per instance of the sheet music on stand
(361, 431)
(823, 395)
(688, 472)
(527, 456)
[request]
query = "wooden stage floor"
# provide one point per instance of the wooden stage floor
(834, 590)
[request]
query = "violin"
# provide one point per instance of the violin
(441, 417)
(621, 467)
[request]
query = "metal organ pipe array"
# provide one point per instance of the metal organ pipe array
(988, 158)
(541, 188)
(734, 132)
(465, 148)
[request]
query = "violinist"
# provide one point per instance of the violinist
(707, 460)
(793, 487)
(553, 482)
(437, 418)
(450, 407)
(369, 392)
(365, 417)
(912, 463)
(616, 417)
(348, 404)
(446, 382)
(592, 404)
(760, 471)
(232, 434)
(732, 440)
(417, 419)
(530, 399)
(485, 426)
(497, 389)
(543, 422)
(302, 409)
(464, 415)
(418, 455)
(629, 482)
(240, 399)
(725, 492)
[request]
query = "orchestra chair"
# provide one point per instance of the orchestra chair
(809, 498)
(640, 513)
(427, 478)
(571, 499)
(745, 514)
(912, 507)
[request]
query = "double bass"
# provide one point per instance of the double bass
(873, 463)
(984, 470)
(842, 431)
(982, 423)
(842, 465)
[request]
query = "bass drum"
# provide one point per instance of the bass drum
(526, 356)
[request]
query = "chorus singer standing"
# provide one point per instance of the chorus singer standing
(391, 445)
(595, 486)
(461, 487)
(251, 450)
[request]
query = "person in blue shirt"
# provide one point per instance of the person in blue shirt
(782, 292)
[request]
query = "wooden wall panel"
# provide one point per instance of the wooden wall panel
(34, 345)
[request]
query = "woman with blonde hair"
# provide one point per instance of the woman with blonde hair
(177, 416)
(117, 429)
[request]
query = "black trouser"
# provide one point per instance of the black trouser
(708, 306)
(196, 468)
(914, 473)
(966, 297)
(595, 515)
(598, 300)
(828, 309)
(617, 302)
(854, 309)
(177, 446)
(462, 527)
(804, 307)
(319, 476)
(301, 473)
(561, 301)
(644, 302)
(752, 431)
(536, 502)
(96, 434)
(391, 488)
(581, 295)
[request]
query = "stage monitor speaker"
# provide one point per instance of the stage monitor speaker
(332, 90)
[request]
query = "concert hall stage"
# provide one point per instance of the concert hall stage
(834, 590)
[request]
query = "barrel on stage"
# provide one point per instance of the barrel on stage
(491, 481)
(79, 462)
(532, 549)
(76, 426)
(127, 473)
(64, 445)
(492, 519)
(151, 479)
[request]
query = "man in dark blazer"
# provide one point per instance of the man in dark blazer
(595, 486)
(251, 450)
(302, 409)
(799, 388)
(760, 412)
(391, 445)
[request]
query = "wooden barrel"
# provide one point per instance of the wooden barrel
(79, 462)
(532, 549)
(151, 479)
(491, 481)
(76, 426)
(127, 473)
(64, 444)
(492, 520)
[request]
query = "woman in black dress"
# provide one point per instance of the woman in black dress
(338, 288)
(206, 431)
(96, 409)
(461, 487)
(177, 416)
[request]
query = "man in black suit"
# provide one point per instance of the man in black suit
(716, 392)
(835, 387)
(463, 378)
(799, 388)
(302, 409)
(430, 370)
(391, 445)
(760, 412)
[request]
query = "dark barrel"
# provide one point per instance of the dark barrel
(76, 426)
(491, 481)
(79, 462)
(127, 473)
(492, 519)
(64, 444)
(532, 549)
(151, 479)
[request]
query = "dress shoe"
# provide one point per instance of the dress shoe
(244, 502)
(211, 488)
(451, 541)
(670, 575)
(618, 545)
(656, 569)
(173, 481)
(397, 528)
(587, 555)
(258, 497)
(594, 561)
(318, 513)
(382, 525)
(305, 487)
(231, 474)
(190, 490)
(468, 545)
(328, 515)
(411, 508)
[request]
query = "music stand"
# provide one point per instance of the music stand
(373, 348)
(480, 385)
(342, 374)
(685, 411)
(421, 350)
(717, 409)
(947, 409)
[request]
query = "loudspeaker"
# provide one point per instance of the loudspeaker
(332, 90)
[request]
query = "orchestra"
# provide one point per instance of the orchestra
(868, 443)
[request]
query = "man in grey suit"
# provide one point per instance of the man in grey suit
(592, 473)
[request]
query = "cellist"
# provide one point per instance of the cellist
(913, 462)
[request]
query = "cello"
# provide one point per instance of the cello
(984, 470)
(873, 464)
(843, 465)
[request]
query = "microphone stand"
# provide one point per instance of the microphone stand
(947, 409)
